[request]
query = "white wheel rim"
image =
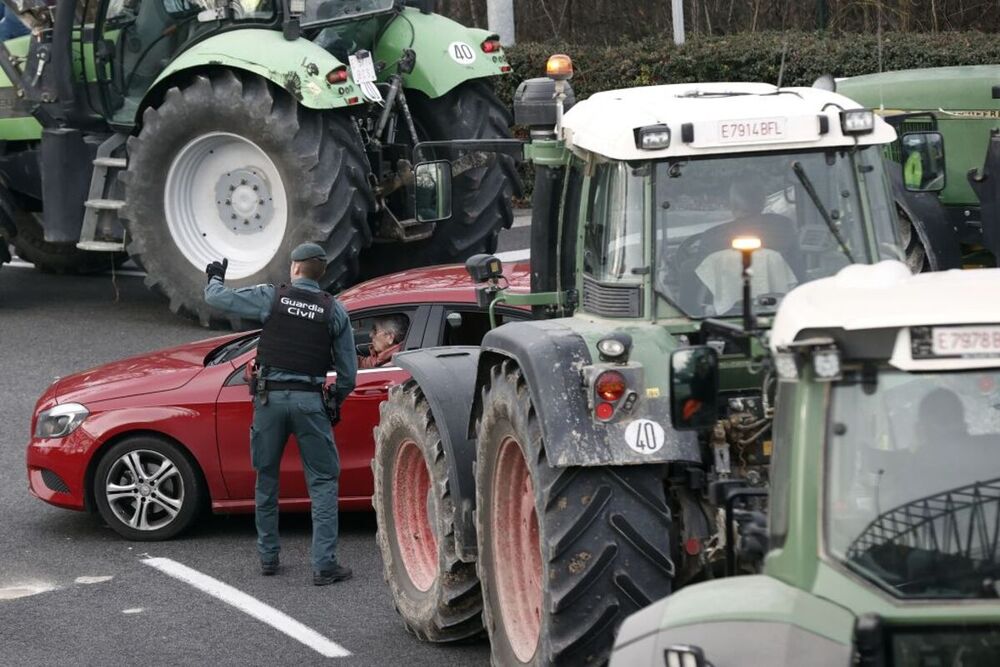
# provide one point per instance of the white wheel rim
(225, 198)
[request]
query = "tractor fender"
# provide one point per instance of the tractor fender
(552, 357)
(984, 184)
(298, 66)
(447, 53)
(924, 209)
(446, 376)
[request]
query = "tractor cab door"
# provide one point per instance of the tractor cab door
(133, 41)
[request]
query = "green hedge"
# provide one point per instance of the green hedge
(746, 57)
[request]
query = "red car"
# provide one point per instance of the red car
(150, 440)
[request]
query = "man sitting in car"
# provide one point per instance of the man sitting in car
(387, 336)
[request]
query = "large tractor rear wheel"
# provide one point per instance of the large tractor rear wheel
(230, 166)
(565, 554)
(481, 196)
(63, 258)
(435, 592)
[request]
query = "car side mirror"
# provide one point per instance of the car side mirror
(922, 155)
(432, 191)
(694, 388)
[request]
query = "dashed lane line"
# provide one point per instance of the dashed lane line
(250, 606)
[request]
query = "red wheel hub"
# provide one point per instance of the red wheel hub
(411, 484)
(517, 555)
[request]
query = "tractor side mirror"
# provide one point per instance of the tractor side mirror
(922, 154)
(432, 191)
(694, 388)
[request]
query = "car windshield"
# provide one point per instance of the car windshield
(232, 349)
(912, 501)
(807, 208)
(327, 11)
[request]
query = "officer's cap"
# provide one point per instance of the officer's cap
(306, 251)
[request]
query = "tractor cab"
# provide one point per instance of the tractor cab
(884, 508)
(655, 199)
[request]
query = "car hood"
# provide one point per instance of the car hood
(148, 373)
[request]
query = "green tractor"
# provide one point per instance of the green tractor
(545, 485)
(883, 539)
(948, 154)
(181, 131)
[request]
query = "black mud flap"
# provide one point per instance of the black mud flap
(447, 377)
(985, 183)
(552, 356)
(924, 209)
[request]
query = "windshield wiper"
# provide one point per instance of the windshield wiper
(800, 173)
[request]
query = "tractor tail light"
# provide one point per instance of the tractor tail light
(491, 45)
(604, 411)
(337, 75)
(610, 386)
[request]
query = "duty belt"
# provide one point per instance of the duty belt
(274, 385)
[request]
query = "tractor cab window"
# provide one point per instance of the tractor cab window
(912, 499)
(613, 238)
(809, 209)
(318, 12)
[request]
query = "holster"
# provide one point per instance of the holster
(255, 381)
(331, 405)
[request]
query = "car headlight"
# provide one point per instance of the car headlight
(60, 421)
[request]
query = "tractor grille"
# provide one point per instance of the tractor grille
(611, 300)
(54, 481)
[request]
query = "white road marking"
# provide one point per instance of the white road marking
(93, 580)
(514, 255)
(24, 590)
(251, 606)
(134, 610)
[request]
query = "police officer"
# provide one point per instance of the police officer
(306, 333)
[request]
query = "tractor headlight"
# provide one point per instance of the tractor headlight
(787, 365)
(826, 363)
(652, 137)
(857, 121)
(60, 421)
(615, 347)
(680, 655)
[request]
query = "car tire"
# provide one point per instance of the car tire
(565, 554)
(147, 489)
(435, 592)
(228, 163)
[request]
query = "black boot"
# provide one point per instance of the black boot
(333, 575)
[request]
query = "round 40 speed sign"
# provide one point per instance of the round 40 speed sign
(645, 436)
(462, 53)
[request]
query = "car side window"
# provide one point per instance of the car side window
(398, 323)
(467, 327)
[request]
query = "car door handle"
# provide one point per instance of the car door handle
(372, 391)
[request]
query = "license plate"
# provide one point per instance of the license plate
(362, 67)
(754, 129)
(966, 341)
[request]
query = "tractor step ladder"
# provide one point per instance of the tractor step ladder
(98, 207)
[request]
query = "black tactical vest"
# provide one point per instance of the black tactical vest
(296, 337)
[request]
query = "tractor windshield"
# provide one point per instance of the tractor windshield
(913, 481)
(814, 212)
(318, 12)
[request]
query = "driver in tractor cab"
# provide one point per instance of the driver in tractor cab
(776, 266)
(387, 336)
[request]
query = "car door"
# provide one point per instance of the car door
(353, 435)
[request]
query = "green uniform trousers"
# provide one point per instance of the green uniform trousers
(300, 413)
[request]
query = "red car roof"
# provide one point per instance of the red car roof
(435, 284)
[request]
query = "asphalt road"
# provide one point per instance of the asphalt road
(73, 592)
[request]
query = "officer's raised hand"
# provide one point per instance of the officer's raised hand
(217, 270)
